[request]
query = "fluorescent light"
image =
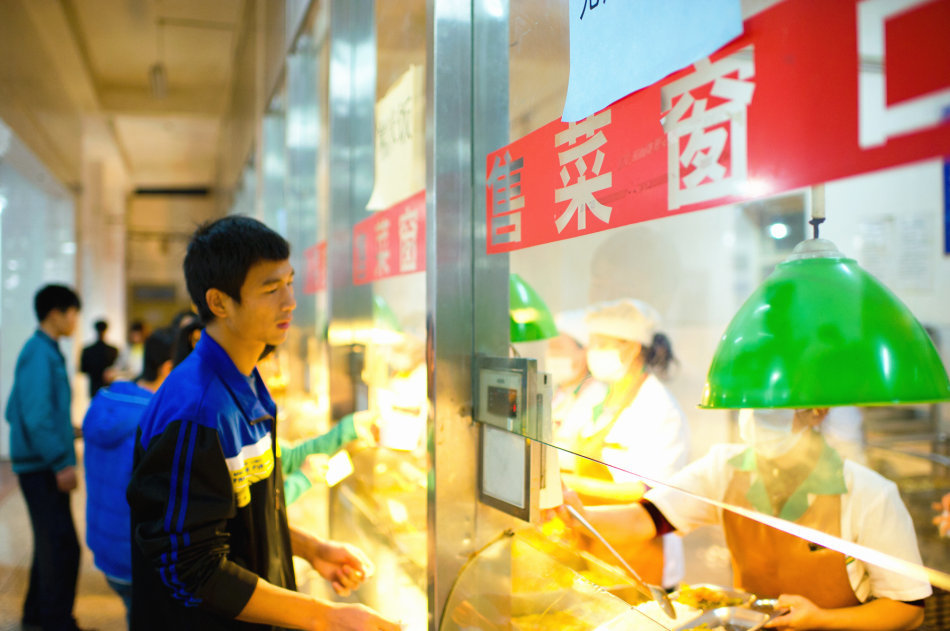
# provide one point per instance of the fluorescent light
(778, 230)
(157, 81)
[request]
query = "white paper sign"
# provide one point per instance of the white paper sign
(400, 141)
(620, 46)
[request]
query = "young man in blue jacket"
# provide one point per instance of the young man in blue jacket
(109, 436)
(44, 459)
(212, 548)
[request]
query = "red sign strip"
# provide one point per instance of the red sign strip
(315, 274)
(391, 242)
(777, 109)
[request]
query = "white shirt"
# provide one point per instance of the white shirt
(572, 411)
(649, 439)
(872, 515)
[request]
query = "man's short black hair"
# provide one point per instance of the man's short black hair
(222, 251)
(101, 326)
(158, 350)
(50, 297)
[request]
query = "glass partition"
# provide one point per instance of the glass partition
(640, 311)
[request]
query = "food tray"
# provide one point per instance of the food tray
(728, 618)
(742, 599)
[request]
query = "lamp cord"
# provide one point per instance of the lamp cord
(815, 222)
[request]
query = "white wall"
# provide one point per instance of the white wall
(892, 223)
(37, 246)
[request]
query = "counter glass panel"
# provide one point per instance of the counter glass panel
(640, 310)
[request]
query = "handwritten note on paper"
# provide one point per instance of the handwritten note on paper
(620, 46)
(400, 141)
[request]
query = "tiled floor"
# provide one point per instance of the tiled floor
(96, 607)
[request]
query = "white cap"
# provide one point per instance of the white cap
(625, 319)
(572, 324)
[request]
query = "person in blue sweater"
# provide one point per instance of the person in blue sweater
(44, 459)
(109, 436)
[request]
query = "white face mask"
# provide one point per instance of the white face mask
(606, 365)
(561, 369)
(401, 363)
(769, 432)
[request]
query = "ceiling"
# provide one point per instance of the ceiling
(68, 61)
(64, 63)
(168, 137)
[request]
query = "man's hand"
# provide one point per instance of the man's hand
(315, 468)
(344, 565)
(66, 479)
(346, 617)
(366, 423)
(802, 613)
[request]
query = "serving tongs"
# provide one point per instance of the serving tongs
(655, 592)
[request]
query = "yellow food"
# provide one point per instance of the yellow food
(706, 598)
(551, 621)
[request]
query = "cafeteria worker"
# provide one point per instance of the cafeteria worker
(785, 468)
(637, 430)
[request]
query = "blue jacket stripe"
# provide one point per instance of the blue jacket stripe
(179, 493)
(184, 493)
(176, 465)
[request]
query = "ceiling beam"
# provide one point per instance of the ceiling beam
(208, 101)
(54, 21)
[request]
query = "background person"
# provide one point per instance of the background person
(109, 437)
(131, 360)
(576, 391)
(44, 459)
(785, 468)
(638, 427)
(97, 358)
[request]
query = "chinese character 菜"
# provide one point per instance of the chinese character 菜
(382, 249)
(584, 139)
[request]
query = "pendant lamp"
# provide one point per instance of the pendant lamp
(531, 320)
(821, 332)
(386, 327)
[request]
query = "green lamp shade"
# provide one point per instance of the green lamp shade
(822, 332)
(531, 320)
(386, 327)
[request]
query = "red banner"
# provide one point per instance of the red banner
(315, 274)
(811, 92)
(391, 242)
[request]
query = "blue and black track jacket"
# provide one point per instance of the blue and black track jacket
(208, 515)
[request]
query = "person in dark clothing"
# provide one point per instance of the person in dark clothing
(44, 459)
(212, 548)
(97, 358)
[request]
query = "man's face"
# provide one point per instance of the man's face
(65, 321)
(267, 303)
